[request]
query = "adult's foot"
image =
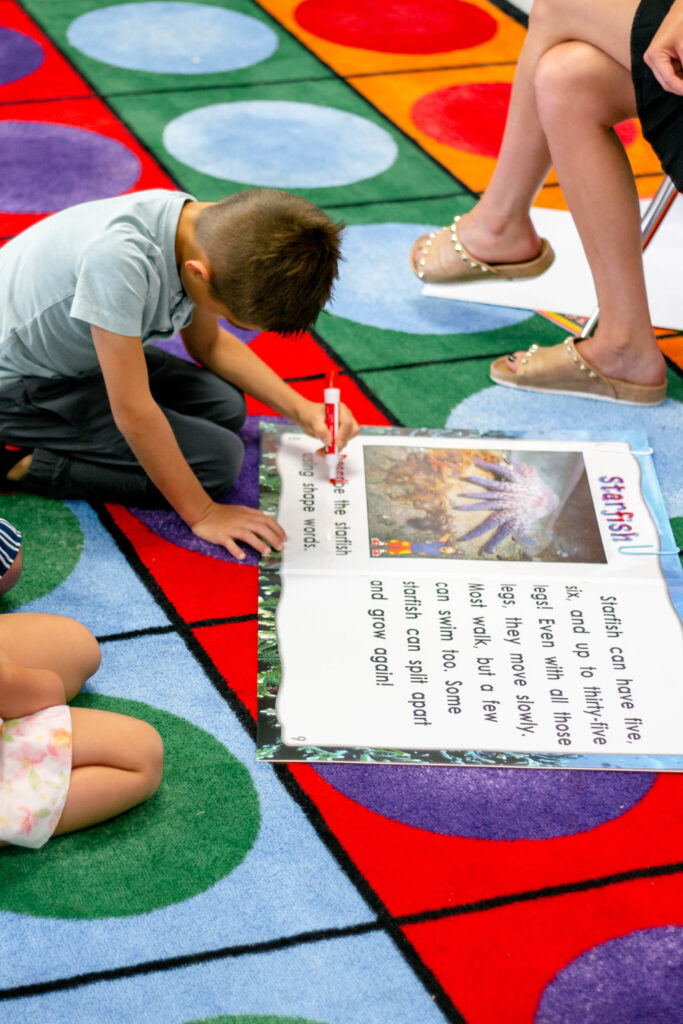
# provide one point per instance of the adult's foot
(634, 362)
(435, 256)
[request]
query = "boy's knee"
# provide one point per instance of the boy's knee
(240, 410)
(223, 466)
(228, 406)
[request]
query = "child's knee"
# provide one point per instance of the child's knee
(83, 643)
(151, 755)
(239, 410)
(224, 466)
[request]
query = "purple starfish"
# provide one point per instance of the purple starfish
(517, 499)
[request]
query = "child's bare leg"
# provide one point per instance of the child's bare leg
(117, 763)
(498, 229)
(53, 642)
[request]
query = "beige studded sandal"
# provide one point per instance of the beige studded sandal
(433, 269)
(562, 370)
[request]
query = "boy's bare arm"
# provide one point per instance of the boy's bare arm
(149, 435)
(227, 357)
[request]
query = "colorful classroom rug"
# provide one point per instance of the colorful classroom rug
(248, 893)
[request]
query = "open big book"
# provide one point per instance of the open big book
(467, 599)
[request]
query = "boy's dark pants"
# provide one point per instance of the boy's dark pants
(79, 452)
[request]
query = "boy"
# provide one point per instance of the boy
(87, 412)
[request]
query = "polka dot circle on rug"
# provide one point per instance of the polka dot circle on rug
(200, 826)
(452, 116)
(172, 38)
(498, 408)
(19, 55)
(398, 26)
(280, 144)
(633, 979)
(52, 543)
(45, 167)
(376, 287)
(476, 803)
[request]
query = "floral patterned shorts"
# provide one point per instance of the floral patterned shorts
(35, 767)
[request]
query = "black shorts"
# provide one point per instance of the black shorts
(660, 112)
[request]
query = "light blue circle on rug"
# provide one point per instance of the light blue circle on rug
(500, 408)
(376, 287)
(172, 38)
(280, 144)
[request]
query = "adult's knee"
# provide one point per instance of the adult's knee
(565, 80)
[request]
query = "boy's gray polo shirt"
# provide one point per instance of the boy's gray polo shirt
(109, 263)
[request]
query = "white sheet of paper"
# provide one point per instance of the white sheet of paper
(567, 286)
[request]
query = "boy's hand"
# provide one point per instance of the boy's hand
(226, 524)
(311, 418)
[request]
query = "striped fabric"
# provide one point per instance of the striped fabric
(10, 542)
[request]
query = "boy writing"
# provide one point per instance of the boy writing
(88, 410)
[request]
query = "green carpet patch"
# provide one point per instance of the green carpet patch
(674, 386)
(677, 527)
(363, 347)
(440, 210)
(196, 829)
(52, 543)
(423, 396)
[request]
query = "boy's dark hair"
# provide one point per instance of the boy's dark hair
(273, 257)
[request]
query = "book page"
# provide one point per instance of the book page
(499, 595)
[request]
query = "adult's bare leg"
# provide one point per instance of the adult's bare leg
(582, 92)
(498, 229)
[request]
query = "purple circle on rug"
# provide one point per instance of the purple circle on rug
(245, 491)
(19, 55)
(635, 979)
(45, 167)
(490, 803)
(175, 346)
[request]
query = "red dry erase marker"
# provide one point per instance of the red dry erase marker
(331, 399)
